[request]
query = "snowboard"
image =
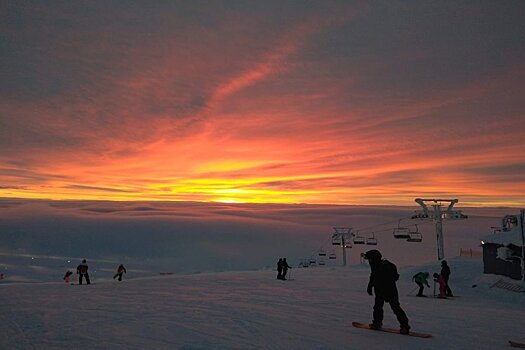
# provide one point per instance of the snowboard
(516, 344)
(391, 330)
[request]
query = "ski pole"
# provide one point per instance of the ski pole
(290, 277)
(413, 290)
(434, 287)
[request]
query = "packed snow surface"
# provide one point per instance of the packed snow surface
(253, 310)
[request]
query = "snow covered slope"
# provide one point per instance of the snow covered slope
(253, 310)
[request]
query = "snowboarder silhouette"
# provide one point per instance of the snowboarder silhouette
(382, 283)
(82, 272)
(280, 269)
(445, 273)
(285, 268)
(421, 278)
(120, 270)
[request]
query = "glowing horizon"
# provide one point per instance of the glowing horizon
(323, 103)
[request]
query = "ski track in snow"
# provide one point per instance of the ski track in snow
(253, 310)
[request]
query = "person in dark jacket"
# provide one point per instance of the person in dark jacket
(285, 268)
(382, 283)
(280, 269)
(120, 270)
(82, 272)
(445, 273)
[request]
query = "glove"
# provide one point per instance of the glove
(369, 291)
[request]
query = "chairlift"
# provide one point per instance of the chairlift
(321, 262)
(415, 236)
(332, 256)
(322, 252)
(371, 240)
(312, 260)
(336, 240)
(401, 232)
(359, 239)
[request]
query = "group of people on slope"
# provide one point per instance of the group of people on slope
(442, 279)
(282, 269)
(82, 272)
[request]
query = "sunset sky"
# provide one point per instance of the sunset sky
(321, 102)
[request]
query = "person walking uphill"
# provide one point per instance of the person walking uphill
(82, 272)
(120, 270)
(382, 283)
(445, 273)
(421, 278)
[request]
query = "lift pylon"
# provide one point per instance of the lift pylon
(438, 214)
(344, 235)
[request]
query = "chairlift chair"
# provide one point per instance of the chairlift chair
(371, 240)
(336, 240)
(322, 252)
(401, 232)
(348, 245)
(321, 262)
(415, 236)
(332, 256)
(312, 260)
(359, 239)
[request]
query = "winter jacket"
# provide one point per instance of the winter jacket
(82, 269)
(420, 278)
(383, 280)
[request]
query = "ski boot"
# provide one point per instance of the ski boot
(404, 329)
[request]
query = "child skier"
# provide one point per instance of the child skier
(421, 278)
(66, 276)
(442, 285)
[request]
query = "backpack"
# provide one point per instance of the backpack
(391, 270)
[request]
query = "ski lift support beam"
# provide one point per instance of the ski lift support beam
(345, 233)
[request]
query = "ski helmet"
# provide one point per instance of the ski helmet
(373, 254)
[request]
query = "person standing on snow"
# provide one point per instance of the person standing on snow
(280, 269)
(120, 270)
(82, 272)
(421, 278)
(382, 283)
(442, 285)
(445, 273)
(285, 268)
